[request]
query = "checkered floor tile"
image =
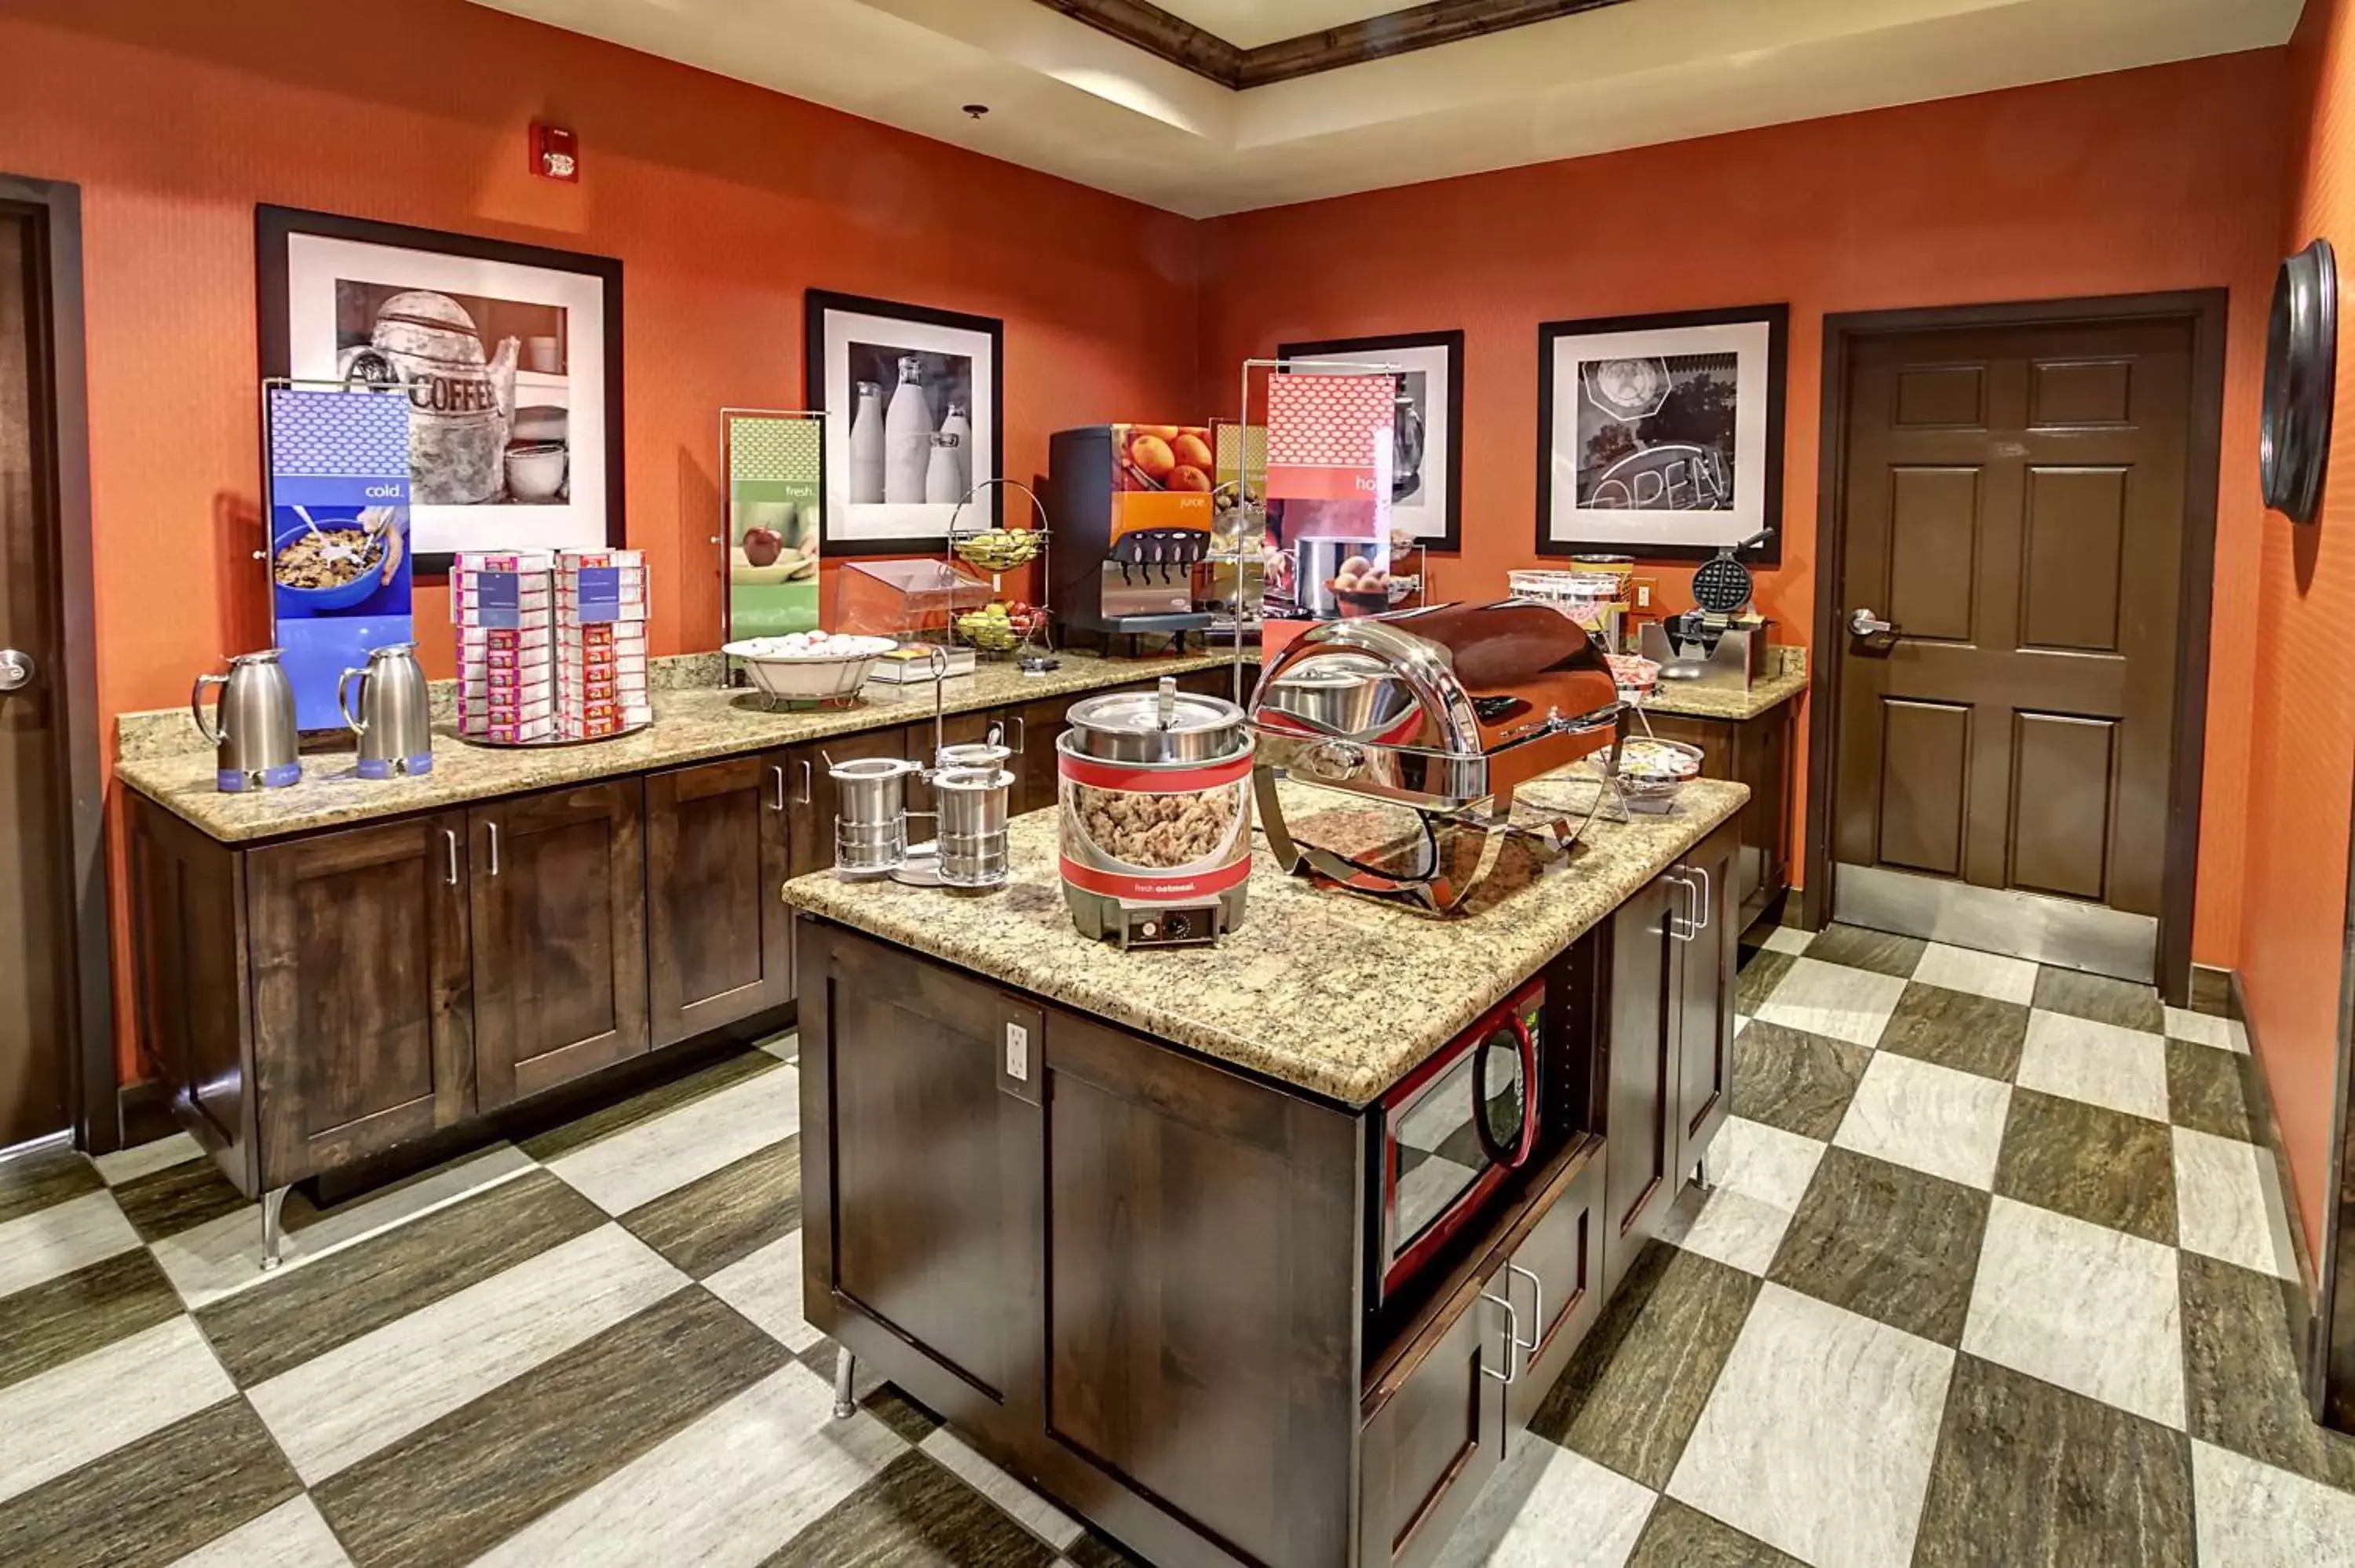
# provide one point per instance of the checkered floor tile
(1993, 1274)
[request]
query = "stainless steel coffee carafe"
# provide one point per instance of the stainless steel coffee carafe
(392, 720)
(253, 726)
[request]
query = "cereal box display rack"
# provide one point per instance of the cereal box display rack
(551, 645)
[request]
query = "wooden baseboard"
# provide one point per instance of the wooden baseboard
(2305, 1304)
(143, 1112)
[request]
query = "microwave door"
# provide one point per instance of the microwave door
(1435, 1157)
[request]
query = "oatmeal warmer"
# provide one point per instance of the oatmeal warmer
(1157, 816)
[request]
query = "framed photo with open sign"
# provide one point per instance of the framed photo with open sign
(1661, 436)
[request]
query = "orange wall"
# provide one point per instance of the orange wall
(723, 201)
(2139, 181)
(2302, 751)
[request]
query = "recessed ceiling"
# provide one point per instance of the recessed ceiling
(1069, 100)
(1248, 24)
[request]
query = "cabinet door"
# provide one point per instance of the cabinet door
(1555, 1283)
(1201, 1258)
(1640, 1113)
(719, 938)
(560, 937)
(1031, 730)
(361, 1024)
(1705, 993)
(921, 1178)
(1437, 1437)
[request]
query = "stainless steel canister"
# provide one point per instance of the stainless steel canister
(870, 820)
(394, 717)
(972, 807)
(252, 732)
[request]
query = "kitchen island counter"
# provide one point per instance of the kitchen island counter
(1322, 991)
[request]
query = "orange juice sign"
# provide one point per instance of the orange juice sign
(1161, 478)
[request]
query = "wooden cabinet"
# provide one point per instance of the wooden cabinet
(363, 1039)
(560, 937)
(1669, 1034)
(1032, 730)
(1757, 752)
(1554, 1280)
(923, 1177)
(719, 938)
(1705, 994)
(1437, 1431)
(1200, 1256)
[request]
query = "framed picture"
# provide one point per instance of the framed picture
(912, 398)
(511, 356)
(1427, 478)
(1661, 436)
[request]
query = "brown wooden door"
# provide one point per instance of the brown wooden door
(1201, 1256)
(1555, 1283)
(362, 1026)
(559, 937)
(2014, 506)
(927, 1174)
(1437, 1435)
(1641, 1120)
(1032, 730)
(1706, 958)
(37, 1010)
(719, 936)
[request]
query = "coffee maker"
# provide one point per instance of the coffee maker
(1131, 513)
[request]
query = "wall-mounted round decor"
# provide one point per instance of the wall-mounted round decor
(2301, 375)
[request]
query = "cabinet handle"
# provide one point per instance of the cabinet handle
(1537, 1307)
(1512, 1339)
(809, 786)
(451, 834)
(495, 847)
(1021, 742)
(1704, 900)
(1680, 926)
(777, 801)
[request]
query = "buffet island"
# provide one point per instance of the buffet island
(1266, 1250)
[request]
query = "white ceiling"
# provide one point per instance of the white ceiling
(1073, 101)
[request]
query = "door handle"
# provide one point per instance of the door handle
(1862, 623)
(1536, 1309)
(1512, 1339)
(777, 797)
(1704, 899)
(809, 785)
(495, 847)
(451, 835)
(17, 670)
(1021, 742)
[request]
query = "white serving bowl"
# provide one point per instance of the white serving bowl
(829, 675)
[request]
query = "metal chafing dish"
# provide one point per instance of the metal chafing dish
(1446, 711)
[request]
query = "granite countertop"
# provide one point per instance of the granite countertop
(1339, 995)
(690, 725)
(1724, 703)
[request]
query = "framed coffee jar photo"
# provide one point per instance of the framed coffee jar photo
(511, 356)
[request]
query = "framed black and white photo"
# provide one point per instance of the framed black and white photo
(912, 398)
(1661, 436)
(511, 356)
(1427, 454)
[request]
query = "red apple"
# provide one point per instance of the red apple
(763, 545)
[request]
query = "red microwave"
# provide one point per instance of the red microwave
(1453, 1132)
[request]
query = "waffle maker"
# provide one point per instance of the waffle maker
(1705, 644)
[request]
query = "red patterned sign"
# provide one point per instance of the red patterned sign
(1320, 435)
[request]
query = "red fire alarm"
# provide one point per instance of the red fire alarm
(555, 152)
